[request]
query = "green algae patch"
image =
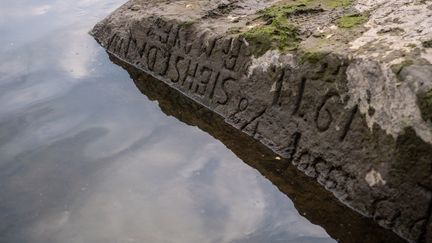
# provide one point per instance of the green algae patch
(303, 7)
(350, 21)
(268, 37)
(335, 3)
(425, 104)
(276, 33)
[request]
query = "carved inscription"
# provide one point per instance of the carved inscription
(203, 79)
(300, 94)
(207, 46)
(296, 110)
(292, 147)
(253, 119)
(323, 117)
(347, 126)
(151, 57)
(242, 105)
(279, 76)
(209, 67)
(166, 49)
(233, 54)
(174, 73)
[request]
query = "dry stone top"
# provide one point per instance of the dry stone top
(340, 88)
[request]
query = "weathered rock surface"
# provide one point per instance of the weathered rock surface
(341, 89)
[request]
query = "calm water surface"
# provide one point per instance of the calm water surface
(85, 157)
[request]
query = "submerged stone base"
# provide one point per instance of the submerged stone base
(317, 82)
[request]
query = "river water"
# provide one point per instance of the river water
(85, 157)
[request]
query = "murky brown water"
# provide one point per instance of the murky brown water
(85, 157)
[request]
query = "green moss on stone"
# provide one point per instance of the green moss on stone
(349, 21)
(330, 4)
(303, 6)
(278, 32)
(269, 37)
(277, 11)
(337, 3)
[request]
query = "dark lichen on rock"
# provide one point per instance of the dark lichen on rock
(427, 44)
(391, 31)
(312, 57)
(425, 104)
(221, 9)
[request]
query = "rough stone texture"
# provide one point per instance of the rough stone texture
(349, 107)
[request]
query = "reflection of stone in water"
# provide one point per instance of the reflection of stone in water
(311, 200)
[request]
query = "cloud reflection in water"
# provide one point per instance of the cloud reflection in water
(84, 157)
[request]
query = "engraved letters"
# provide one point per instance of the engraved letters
(212, 68)
(323, 117)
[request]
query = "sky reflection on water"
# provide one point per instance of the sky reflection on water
(85, 157)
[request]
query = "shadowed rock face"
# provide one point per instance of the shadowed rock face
(351, 115)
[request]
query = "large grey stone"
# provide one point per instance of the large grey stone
(341, 89)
